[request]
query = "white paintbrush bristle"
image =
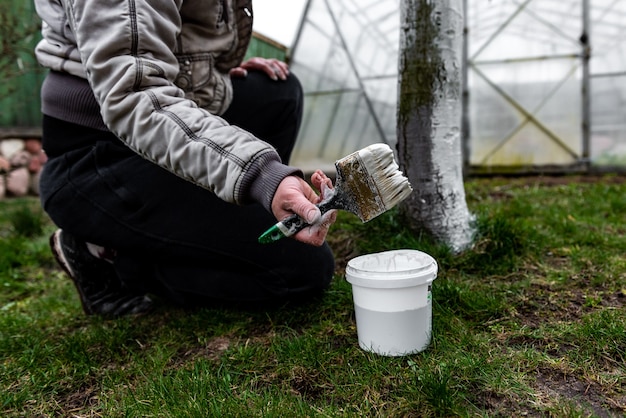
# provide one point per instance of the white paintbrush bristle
(392, 185)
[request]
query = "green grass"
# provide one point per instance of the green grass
(529, 322)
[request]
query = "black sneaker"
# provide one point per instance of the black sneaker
(100, 290)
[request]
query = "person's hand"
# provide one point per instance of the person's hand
(294, 195)
(275, 69)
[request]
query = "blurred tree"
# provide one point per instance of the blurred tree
(429, 120)
(19, 27)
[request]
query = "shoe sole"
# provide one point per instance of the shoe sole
(57, 250)
(55, 245)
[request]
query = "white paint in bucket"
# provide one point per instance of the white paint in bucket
(393, 300)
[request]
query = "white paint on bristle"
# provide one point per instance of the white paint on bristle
(392, 185)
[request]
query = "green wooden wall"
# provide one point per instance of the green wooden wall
(261, 46)
(20, 75)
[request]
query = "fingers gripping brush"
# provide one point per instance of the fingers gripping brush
(368, 184)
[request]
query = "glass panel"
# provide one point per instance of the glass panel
(528, 83)
(543, 93)
(608, 36)
(525, 79)
(325, 64)
(347, 62)
(512, 29)
(529, 146)
(346, 129)
(608, 136)
(492, 119)
(608, 25)
(608, 83)
(382, 93)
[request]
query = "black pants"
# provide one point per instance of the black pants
(173, 238)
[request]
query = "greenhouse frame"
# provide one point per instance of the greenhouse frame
(544, 82)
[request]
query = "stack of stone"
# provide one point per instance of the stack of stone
(21, 161)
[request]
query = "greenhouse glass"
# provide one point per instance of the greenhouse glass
(546, 82)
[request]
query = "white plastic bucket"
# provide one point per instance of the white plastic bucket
(393, 300)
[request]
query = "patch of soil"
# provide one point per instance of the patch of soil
(215, 347)
(504, 406)
(586, 395)
(309, 383)
(562, 305)
(81, 401)
(567, 301)
(213, 351)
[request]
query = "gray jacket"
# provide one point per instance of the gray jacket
(159, 72)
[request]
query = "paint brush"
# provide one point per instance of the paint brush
(368, 184)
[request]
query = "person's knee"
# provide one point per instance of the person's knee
(294, 87)
(316, 272)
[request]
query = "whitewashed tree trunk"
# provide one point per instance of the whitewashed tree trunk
(429, 120)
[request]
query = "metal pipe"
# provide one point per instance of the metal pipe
(526, 59)
(585, 41)
(465, 119)
(609, 75)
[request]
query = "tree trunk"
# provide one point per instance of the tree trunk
(429, 120)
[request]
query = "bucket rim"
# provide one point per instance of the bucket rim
(416, 275)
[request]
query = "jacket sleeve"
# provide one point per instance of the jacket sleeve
(126, 47)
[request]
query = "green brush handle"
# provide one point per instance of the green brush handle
(293, 224)
(285, 228)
